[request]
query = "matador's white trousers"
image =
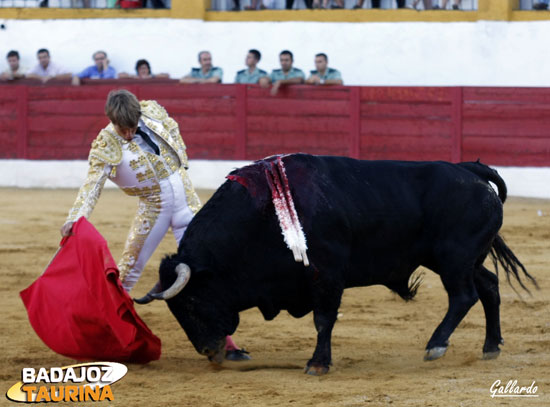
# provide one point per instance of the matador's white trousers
(155, 215)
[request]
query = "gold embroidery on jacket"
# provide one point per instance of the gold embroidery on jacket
(90, 190)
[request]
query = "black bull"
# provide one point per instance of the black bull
(366, 223)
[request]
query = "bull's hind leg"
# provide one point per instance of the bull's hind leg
(462, 296)
(487, 287)
(324, 317)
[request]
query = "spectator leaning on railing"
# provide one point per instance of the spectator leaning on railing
(206, 73)
(47, 70)
(287, 75)
(14, 71)
(100, 70)
(252, 74)
(143, 71)
(323, 75)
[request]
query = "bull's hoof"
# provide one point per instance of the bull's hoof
(491, 355)
(435, 353)
(316, 370)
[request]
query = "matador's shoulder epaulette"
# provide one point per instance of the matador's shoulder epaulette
(107, 148)
(153, 110)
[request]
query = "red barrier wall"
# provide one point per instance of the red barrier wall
(501, 126)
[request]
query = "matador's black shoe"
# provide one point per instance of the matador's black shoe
(237, 355)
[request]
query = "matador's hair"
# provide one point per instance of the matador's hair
(123, 108)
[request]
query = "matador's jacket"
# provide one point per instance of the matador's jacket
(137, 173)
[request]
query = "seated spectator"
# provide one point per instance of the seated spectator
(15, 71)
(206, 73)
(324, 75)
(100, 70)
(287, 75)
(143, 71)
(47, 70)
(541, 5)
(376, 4)
(253, 73)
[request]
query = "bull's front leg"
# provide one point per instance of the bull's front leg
(320, 363)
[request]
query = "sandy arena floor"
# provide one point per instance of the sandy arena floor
(378, 342)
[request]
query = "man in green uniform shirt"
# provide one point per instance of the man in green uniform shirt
(206, 73)
(253, 73)
(324, 75)
(287, 75)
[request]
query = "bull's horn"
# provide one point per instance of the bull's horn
(184, 273)
(147, 298)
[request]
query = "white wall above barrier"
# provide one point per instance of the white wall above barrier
(483, 53)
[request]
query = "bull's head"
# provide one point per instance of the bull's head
(198, 308)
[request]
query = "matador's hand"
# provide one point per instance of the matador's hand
(67, 229)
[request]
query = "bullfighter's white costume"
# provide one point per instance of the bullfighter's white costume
(166, 195)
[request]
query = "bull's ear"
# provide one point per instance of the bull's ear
(167, 270)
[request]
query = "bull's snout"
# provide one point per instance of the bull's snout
(216, 353)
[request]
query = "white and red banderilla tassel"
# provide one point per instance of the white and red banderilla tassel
(291, 228)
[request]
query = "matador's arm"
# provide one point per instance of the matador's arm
(90, 191)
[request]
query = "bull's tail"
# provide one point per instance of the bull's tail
(488, 174)
(503, 255)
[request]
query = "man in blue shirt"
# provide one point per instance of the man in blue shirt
(324, 75)
(101, 69)
(206, 73)
(253, 73)
(287, 75)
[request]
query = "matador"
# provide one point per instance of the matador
(143, 153)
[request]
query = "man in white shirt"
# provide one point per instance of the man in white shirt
(15, 71)
(47, 70)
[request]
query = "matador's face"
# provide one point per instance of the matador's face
(127, 133)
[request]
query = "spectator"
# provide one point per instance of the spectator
(290, 3)
(324, 75)
(15, 71)
(155, 3)
(253, 73)
(206, 73)
(456, 4)
(47, 70)
(85, 3)
(427, 4)
(287, 75)
(143, 71)
(376, 4)
(254, 5)
(236, 5)
(541, 5)
(101, 69)
(337, 4)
